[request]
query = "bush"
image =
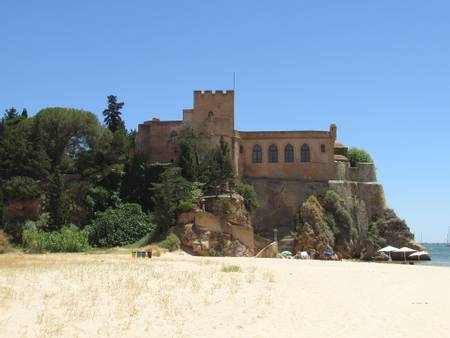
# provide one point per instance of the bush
(68, 239)
(5, 246)
(248, 193)
(356, 155)
(120, 226)
(171, 243)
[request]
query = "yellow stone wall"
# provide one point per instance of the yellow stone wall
(213, 115)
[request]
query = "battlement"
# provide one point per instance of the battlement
(212, 92)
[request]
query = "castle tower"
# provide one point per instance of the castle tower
(213, 113)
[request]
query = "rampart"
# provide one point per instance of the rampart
(362, 172)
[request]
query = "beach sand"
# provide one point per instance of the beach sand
(176, 295)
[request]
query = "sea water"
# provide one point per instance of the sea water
(439, 253)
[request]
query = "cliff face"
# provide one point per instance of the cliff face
(282, 202)
(222, 229)
(279, 200)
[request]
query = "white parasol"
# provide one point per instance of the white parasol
(405, 250)
(419, 254)
(388, 249)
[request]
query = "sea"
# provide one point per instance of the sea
(439, 253)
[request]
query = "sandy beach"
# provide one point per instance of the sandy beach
(176, 295)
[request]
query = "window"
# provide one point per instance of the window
(241, 149)
(273, 153)
(210, 115)
(289, 153)
(304, 153)
(173, 136)
(322, 148)
(257, 154)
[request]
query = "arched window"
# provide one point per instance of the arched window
(305, 153)
(289, 153)
(210, 114)
(273, 153)
(257, 154)
(173, 136)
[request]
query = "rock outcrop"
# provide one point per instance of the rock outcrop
(221, 229)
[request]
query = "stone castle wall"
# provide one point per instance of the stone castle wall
(153, 140)
(362, 172)
(213, 117)
(320, 166)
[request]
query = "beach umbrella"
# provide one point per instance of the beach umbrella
(388, 249)
(405, 250)
(419, 254)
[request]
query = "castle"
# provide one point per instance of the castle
(303, 155)
(284, 167)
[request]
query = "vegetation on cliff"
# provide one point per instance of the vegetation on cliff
(325, 224)
(389, 229)
(313, 230)
(356, 155)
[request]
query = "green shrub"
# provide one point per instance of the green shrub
(68, 239)
(40, 224)
(120, 226)
(356, 155)
(231, 268)
(332, 201)
(171, 243)
(331, 222)
(186, 204)
(248, 193)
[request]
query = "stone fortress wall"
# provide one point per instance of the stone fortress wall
(361, 172)
(319, 167)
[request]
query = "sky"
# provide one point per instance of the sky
(379, 69)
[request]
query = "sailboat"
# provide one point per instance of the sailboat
(448, 237)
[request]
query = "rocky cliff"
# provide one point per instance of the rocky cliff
(221, 228)
(356, 225)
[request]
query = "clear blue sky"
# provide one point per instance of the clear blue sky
(379, 69)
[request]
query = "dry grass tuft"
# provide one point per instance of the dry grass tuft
(231, 268)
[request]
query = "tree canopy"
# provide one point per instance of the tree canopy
(356, 155)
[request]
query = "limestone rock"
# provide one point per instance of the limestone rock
(222, 230)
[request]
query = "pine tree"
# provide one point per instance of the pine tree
(187, 162)
(11, 113)
(113, 120)
(24, 113)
